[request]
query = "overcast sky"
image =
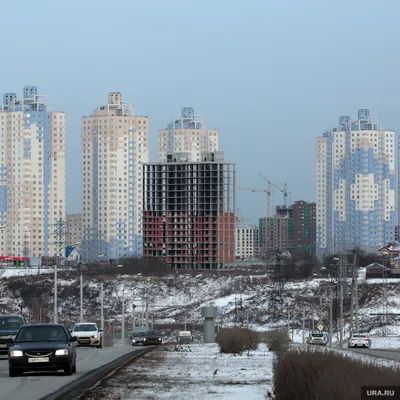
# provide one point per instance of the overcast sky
(271, 75)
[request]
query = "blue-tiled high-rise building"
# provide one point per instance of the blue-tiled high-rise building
(357, 185)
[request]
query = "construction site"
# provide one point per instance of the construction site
(189, 211)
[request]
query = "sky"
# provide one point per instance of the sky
(271, 75)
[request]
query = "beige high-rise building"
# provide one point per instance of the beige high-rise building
(187, 135)
(32, 176)
(114, 148)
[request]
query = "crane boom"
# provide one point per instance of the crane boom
(267, 191)
(283, 191)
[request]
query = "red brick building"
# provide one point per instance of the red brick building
(188, 211)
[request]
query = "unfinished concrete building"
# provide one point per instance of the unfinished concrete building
(189, 211)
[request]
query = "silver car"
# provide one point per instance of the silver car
(359, 340)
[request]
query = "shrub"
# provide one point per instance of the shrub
(309, 375)
(276, 340)
(236, 340)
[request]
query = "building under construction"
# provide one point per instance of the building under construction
(189, 211)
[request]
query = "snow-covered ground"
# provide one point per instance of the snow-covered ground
(195, 371)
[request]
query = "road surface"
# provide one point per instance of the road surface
(391, 354)
(33, 386)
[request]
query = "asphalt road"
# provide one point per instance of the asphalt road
(390, 354)
(33, 386)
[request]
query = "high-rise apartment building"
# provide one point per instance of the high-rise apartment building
(187, 134)
(276, 233)
(247, 242)
(74, 229)
(304, 228)
(114, 148)
(357, 172)
(32, 174)
(189, 211)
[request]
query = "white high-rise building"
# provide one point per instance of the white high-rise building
(187, 135)
(247, 242)
(32, 175)
(114, 148)
(357, 184)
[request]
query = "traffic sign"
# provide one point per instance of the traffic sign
(320, 327)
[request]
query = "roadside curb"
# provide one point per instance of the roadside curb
(86, 382)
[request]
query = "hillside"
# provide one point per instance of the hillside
(178, 297)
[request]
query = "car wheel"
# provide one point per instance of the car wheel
(68, 370)
(100, 345)
(12, 372)
(74, 368)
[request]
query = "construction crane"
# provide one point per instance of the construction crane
(284, 191)
(241, 219)
(267, 191)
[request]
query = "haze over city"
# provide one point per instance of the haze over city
(271, 76)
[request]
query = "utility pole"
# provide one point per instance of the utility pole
(55, 317)
(185, 322)
(102, 306)
(330, 320)
(81, 292)
(353, 279)
(133, 318)
(288, 323)
(321, 316)
(341, 306)
(152, 322)
(356, 301)
(304, 323)
(59, 244)
(123, 317)
(312, 319)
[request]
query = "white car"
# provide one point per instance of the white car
(317, 337)
(88, 334)
(359, 340)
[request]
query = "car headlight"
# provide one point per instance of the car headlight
(16, 353)
(144, 339)
(61, 352)
(95, 336)
(133, 341)
(159, 338)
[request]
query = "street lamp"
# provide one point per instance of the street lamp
(330, 308)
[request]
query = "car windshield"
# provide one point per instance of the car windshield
(317, 335)
(41, 334)
(85, 328)
(152, 333)
(138, 334)
(359, 336)
(10, 323)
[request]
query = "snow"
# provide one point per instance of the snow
(197, 371)
(10, 272)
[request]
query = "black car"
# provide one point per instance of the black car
(152, 337)
(42, 347)
(9, 326)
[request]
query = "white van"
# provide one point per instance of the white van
(185, 337)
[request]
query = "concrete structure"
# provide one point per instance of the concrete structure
(304, 228)
(74, 229)
(187, 134)
(188, 214)
(357, 184)
(247, 242)
(32, 174)
(114, 148)
(209, 314)
(276, 233)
